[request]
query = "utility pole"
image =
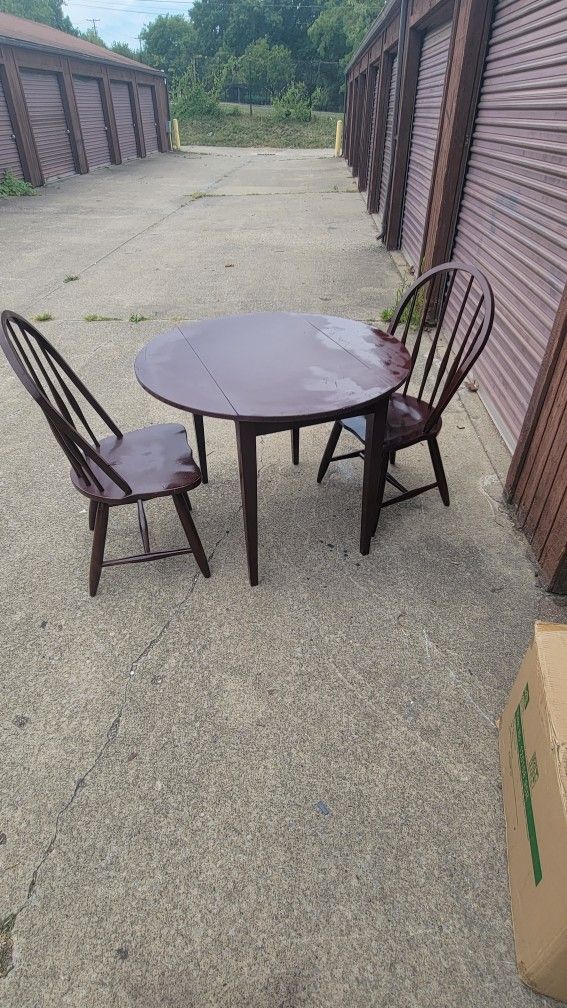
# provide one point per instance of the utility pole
(94, 22)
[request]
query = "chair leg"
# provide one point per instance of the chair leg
(392, 458)
(381, 488)
(328, 453)
(143, 523)
(192, 534)
(438, 469)
(188, 502)
(295, 445)
(201, 449)
(92, 514)
(97, 554)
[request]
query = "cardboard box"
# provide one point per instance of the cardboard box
(533, 753)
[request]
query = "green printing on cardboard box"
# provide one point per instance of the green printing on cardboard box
(529, 777)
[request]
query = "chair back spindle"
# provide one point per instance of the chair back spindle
(63, 398)
(461, 299)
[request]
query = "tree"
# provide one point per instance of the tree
(123, 49)
(251, 21)
(49, 12)
(340, 27)
(170, 44)
(268, 68)
(209, 19)
(262, 69)
(91, 35)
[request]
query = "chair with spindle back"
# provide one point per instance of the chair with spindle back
(460, 298)
(123, 468)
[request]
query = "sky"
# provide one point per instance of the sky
(120, 20)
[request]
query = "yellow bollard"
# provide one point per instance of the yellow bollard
(175, 141)
(339, 138)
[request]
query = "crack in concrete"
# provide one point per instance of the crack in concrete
(8, 923)
(241, 164)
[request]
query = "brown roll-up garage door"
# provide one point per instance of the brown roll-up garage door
(373, 123)
(9, 154)
(387, 156)
(512, 216)
(425, 127)
(120, 91)
(93, 126)
(49, 124)
(149, 124)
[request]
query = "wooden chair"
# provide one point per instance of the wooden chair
(461, 300)
(119, 469)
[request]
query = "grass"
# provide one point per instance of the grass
(43, 316)
(70, 277)
(12, 186)
(101, 318)
(261, 129)
(115, 318)
(416, 309)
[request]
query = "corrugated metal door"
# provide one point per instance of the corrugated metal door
(512, 216)
(120, 91)
(93, 126)
(373, 117)
(387, 156)
(9, 154)
(425, 127)
(49, 124)
(148, 118)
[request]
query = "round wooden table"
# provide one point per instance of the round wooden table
(274, 372)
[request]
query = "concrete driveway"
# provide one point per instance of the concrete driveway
(221, 796)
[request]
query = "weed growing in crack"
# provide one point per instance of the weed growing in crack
(101, 318)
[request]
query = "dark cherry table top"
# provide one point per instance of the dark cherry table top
(272, 366)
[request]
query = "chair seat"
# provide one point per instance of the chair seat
(405, 425)
(155, 461)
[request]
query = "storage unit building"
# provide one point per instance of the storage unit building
(470, 162)
(68, 106)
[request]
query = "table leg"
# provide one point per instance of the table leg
(201, 449)
(373, 472)
(295, 445)
(246, 446)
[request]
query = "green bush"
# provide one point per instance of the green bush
(293, 104)
(12, 186)
(191, 101)
(319, 99)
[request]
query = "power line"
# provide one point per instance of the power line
(120, 10)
